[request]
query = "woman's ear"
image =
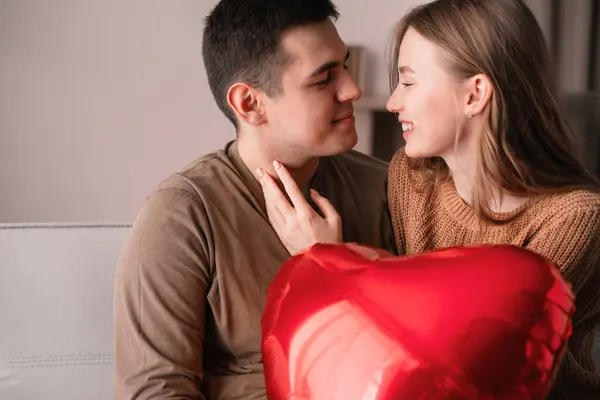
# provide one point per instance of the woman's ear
(246, 102)
(480, 92)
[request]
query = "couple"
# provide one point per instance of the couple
(488, 159)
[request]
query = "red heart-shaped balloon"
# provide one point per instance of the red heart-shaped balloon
(346, 322)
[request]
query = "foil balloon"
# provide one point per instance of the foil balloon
(347, 322)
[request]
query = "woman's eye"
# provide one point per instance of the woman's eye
(406, 84)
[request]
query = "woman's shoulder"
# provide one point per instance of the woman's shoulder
(573, 204)
(409, 181)
(400, 159)
(408, 172)
(400, 175)
(400, 171)
(577, 200)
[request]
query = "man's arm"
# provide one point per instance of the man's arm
(161, 284)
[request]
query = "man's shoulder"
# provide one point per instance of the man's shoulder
(205, 175)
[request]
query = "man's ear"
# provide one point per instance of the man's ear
(247, 103)
(479, 93)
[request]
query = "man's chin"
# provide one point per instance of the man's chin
(352, 143)
(340, 142)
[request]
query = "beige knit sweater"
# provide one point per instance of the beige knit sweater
(563, 228)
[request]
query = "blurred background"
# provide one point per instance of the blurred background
(100, 100)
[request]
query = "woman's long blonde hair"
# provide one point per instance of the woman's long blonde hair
(528, 148)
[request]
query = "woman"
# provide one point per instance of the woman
(488, 159)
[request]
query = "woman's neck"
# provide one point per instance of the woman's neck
(463, 170)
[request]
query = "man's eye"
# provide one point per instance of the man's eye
(324, 81)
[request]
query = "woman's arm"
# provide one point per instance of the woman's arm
(572, 241)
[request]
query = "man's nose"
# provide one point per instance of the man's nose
(349, 90)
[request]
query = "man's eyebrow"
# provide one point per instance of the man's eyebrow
(327, 66)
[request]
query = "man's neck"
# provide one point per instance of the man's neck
(260, 155)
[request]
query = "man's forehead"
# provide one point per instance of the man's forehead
(313, 43)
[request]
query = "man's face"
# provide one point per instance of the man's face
(313, 116)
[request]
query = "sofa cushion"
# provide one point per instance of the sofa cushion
(56, 310)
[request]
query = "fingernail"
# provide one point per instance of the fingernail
(313, 192)
(259, 172)
(276, 164)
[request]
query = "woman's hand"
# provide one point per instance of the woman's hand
(298, 226)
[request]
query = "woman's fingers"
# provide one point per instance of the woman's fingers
(329, 211)
(292, 190)
(278, 207)
(298, 226)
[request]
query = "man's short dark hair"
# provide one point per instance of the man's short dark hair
(241, 42)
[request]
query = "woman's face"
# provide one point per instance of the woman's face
(428, 100)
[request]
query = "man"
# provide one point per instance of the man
(193, 276)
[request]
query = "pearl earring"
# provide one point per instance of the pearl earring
(469, 114)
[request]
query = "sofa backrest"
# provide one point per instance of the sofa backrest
(56, 310)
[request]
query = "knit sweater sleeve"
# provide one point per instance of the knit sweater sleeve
(397, 188)
(571, 239)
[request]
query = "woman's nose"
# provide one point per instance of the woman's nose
(394, 103)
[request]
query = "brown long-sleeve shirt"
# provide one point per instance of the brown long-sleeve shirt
(563, 228)
(192, 279)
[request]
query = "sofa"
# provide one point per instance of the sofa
(56, 310)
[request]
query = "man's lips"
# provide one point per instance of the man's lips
(344, 118)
